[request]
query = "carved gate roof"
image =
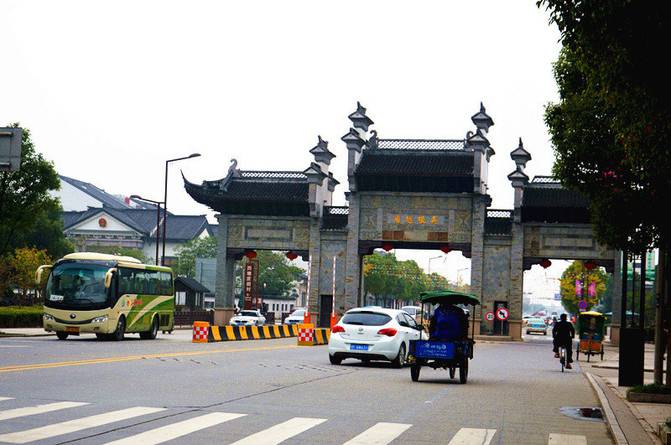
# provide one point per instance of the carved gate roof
(546, 200)
(415, 165)
(283, 193)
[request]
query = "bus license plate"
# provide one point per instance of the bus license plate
(358, 347)
(72, 329)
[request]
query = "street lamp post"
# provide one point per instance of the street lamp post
(158, 219)
(165, 199)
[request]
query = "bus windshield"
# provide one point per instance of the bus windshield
(77, 286)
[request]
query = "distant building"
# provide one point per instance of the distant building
(92, 217)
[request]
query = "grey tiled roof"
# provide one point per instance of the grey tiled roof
(96, 193)
(546, 200)
(499, 222)
(191, 284)
(180, 227)
(416, 163)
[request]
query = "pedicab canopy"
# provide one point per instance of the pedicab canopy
(449, 297)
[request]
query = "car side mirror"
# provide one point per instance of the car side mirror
(39, 274)
(108, 277)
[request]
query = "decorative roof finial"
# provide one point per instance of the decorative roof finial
(359, 118)
(520, 155)
(482, 120)
(321, 151)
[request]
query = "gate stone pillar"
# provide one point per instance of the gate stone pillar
(315, 269)
(478, 252)
(353, 259)
(224, 299)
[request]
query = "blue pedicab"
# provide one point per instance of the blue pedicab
(448, 354)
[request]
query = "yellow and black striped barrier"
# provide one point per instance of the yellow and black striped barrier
(321, 336)
(236, 333)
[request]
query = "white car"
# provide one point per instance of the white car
(373, 334)
(296, 317)
(248, 318)
(414, 311)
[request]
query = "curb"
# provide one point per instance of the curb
(611, 420)
(10, 335)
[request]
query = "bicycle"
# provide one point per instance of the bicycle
(562, 357)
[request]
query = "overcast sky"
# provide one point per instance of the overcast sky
(110, 90)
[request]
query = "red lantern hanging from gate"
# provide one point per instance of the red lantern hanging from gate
(590, 265)
(445, 249)
(387, 246)
(545, 263)
(250, 254)
(291, 255)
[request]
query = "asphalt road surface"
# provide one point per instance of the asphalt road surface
(271, 391)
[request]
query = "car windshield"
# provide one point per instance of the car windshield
(366, 318)
(76, 286)
(248, 314)
(297, 313)
(410, 310)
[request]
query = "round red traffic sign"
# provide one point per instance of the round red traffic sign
(502, 314)
(489, 316)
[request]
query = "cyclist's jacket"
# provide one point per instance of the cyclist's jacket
(563, 332)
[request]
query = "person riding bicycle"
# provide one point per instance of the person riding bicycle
(562, 335)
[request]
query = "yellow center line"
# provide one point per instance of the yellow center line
(128, 358)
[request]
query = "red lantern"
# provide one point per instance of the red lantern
(445, 249)
(387, 246)
(545, 263)
(250, 254)
(590, 265)
(291, 255)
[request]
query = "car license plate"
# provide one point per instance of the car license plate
(72, 329)
(358, 347)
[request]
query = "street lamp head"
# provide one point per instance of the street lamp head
(194, 155)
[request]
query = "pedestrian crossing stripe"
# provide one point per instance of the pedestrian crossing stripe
(72, 426)
(176, 430)
(380, 433)
(472, 436)
(566, 439)
(37, 409)
(280, 432)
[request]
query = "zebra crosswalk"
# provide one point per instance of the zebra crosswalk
(380, 433)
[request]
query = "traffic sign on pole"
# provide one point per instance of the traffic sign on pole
(489, 316)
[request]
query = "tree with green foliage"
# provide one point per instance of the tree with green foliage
(189, 251)
(386, 277)
(29, 215)
(276, 273)
(612, 125)
(578, 271)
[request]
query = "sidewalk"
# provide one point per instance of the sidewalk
(638, 421)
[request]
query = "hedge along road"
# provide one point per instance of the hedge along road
(74, 351)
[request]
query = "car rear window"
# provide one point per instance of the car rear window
(366, 318)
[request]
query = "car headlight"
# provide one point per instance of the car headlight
(48, 317)
(99, 319)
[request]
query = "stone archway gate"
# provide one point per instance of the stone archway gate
(403, 193)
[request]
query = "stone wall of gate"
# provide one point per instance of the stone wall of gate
(569, 241)
(429, 217)
(268, 232)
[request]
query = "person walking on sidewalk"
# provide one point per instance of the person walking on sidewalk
(562, 335)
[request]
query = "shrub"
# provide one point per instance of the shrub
(651, 388)
(21, 316)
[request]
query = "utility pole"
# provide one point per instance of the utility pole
(659, 318)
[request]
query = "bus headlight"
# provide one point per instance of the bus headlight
(102, 319)
(48, 317)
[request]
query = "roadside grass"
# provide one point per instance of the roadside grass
(21, 316)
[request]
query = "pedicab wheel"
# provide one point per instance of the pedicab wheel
(601, 355)
(463, 371)
(577, 353)
(414, 372)
(588, 354)
(453, 371)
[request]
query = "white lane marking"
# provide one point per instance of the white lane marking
(13, 346)
(37, 409)
(280, 432)
(566, 439)
(379, 434)
(473, 436)
(175, 430)
(6, 398)
(58, 429)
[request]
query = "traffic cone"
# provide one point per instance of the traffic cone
(306, 317)
(334, 320)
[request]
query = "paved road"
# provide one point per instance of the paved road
(267, 391)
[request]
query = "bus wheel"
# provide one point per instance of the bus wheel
(120, 329)
(101, 336)
(61, 335)
(151, 333)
